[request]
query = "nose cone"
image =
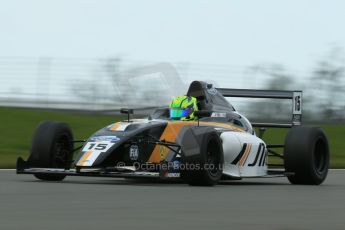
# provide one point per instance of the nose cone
(111, 141)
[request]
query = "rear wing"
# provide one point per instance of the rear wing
(295, 96)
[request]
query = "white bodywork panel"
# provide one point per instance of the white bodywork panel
(245, 155)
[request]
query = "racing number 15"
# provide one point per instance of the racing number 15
(97, 146)
(297, 103)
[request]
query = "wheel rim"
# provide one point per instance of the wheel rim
(320, 156)
(62, 152)
(213, 158)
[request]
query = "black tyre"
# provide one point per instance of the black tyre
(206, 168)
(306, 154)
(52, 147)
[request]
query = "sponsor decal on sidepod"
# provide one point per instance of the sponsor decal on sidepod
(105, 138)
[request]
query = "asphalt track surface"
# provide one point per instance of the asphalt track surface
(97, 203)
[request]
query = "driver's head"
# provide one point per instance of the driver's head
(183, 108)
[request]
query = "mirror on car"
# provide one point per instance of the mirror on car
(126, 111)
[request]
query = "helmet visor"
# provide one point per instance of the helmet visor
(179, 113)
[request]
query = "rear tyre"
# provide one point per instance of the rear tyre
(52, 147)
(205, 169)
(306, 154)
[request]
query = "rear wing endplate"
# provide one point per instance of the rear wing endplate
(295, 96)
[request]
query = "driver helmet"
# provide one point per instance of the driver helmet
(183, 108)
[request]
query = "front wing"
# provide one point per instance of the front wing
(23, 168)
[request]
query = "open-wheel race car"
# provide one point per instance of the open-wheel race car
(219, 144)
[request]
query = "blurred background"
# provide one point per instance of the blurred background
(77, 60)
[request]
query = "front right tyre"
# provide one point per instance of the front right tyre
(205, 168)
(52, 147)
